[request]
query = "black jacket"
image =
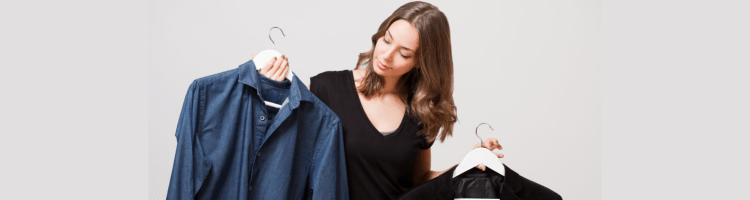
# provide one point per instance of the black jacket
(477, 184)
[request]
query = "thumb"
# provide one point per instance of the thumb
(254, 56)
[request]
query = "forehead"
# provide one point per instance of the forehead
(404, 33)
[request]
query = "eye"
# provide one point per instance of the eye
(402, 55)
(386, 41)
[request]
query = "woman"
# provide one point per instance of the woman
(394, 104)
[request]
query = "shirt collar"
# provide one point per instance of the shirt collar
(297, 91)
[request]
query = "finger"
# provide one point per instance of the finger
(283, 75)
(481, 166)
(477, 145)
(489, 143)
(495, 144)
(254, 56)
(498, 146)
(278, 75)
(280, 72)
(274, 68)
(267, 66)
(499, 155)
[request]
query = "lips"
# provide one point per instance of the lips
(381, 66)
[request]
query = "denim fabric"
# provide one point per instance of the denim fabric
(231, 146)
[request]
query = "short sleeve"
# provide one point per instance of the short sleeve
(425, 143)
(318, 85)
(327, 86)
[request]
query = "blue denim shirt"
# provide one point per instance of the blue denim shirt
(231, 146)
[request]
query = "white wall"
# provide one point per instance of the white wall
(88, 110)
(528, 68)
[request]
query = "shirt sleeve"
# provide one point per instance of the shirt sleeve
(328, 178)
(318, 85)
(426, 143)
(190, 166)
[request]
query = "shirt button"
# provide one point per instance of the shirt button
(258, 153)
(251, 188)
(262, 118)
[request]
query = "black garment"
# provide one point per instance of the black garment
(476, 183)
(378, 167)
(514, 187)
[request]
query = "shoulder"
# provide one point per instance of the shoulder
(327, 86)
(328, 79)
(229, 75)
(328, 76)
(200, 84)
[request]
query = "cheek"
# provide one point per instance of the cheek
(379, 46)
(405, 65)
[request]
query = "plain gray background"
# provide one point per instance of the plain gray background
(75, 111)
(528, 68)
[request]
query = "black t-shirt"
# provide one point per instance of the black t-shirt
(377, 166)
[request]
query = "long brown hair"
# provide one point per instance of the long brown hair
(428, 88)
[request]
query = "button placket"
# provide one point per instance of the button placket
(261, 128)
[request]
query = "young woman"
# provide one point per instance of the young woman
(395, 103)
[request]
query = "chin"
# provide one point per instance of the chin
(378, 71)
(382, 73)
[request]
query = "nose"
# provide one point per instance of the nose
(389, 53)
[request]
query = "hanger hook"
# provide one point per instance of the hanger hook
(477, 133)
(269, 35)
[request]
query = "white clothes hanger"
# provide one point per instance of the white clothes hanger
(478, 156)
(264, 56)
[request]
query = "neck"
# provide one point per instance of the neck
(390, 84)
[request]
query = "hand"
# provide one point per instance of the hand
(276, 68)
(490, 144)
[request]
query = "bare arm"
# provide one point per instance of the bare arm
(422, 172)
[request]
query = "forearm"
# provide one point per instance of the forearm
(429, 175)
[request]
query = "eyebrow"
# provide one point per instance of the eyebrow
(407, 48)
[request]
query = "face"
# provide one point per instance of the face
(394, 53)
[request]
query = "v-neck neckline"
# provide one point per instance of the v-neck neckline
(353, 89)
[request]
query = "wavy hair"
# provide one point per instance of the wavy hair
(428, 88)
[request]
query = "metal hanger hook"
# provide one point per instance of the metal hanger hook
(269, 35)
(477, 133)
